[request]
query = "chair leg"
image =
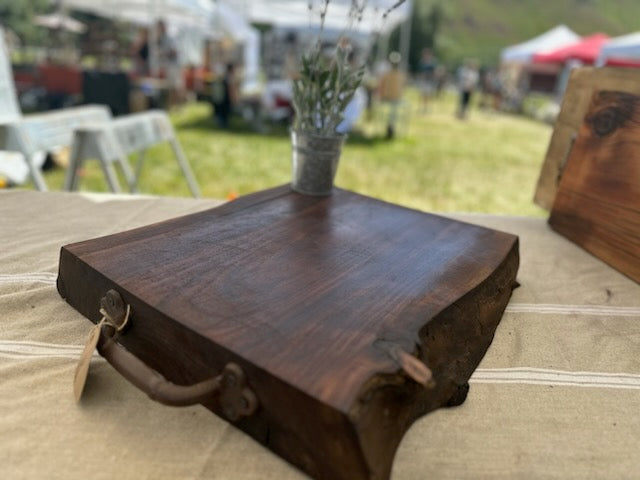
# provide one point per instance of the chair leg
(36, 174)
(128, 174)
(139, 165)
(110, 175)
(186, 169)
(75, 162)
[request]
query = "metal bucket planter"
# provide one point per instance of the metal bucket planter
(314, 162)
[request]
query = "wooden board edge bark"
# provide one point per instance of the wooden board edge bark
(389, 404)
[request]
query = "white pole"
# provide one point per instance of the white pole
(154, 58)
(382, 47)
(405, 38)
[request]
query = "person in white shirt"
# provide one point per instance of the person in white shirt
(468, 77)
(169, 61)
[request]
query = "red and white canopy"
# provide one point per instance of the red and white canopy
(586, 50)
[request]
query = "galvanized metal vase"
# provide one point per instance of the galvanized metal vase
(314, 161)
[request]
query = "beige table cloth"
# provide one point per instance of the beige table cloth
(557, 395)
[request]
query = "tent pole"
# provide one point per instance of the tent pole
(383, 47)
(154, 48)
(405, 38)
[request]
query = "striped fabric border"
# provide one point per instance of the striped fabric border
(26, 349)
(542, 376)
(518, 375)
(555, 309)
(34, 277)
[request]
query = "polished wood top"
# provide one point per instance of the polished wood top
(311, 289)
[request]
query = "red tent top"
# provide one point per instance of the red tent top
(586, 50)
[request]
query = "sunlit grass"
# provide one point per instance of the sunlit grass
(487, 163)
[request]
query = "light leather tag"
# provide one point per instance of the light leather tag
(82, 369)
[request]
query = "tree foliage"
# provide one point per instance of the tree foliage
(18, 15)
(426, 21)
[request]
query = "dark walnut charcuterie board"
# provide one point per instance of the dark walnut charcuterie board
(321, 326)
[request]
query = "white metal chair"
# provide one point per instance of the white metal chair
(9, 111)
(33, 135)
(98, 135)
(121, 137)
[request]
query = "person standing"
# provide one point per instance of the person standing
(225, 96)
(427, 75)
(468, 77)
(169, 62)
(141, 53)
(390, 91)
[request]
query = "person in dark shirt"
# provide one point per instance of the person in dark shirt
(225, 96)
(141, 53)
(468, 78)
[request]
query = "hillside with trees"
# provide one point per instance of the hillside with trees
(457, 29)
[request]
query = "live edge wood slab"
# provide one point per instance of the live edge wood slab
(349, 317)
(584, 82)
(597, 204)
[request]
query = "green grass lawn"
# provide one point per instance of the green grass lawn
(487, 163)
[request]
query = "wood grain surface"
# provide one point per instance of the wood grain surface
(598, 200)
(323, 301)
(583, 83)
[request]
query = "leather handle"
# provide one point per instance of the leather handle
(235, 397)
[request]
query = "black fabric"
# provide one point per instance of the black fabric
(143, 51)
(221, 100)
(106, 88)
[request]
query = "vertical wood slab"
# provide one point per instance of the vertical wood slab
(583, 83)
(598, 200)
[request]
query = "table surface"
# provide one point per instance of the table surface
(556, 396)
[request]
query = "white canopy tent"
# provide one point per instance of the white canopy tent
(296, 13)
(189, 21)
(626, 47)
(236, 25)
(555, 38)
(379, 17)
(303, 17)
(191, 13)
(59, 21)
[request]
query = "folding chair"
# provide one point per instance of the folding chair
(90, 130)
(33, 135)
(119, 138)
